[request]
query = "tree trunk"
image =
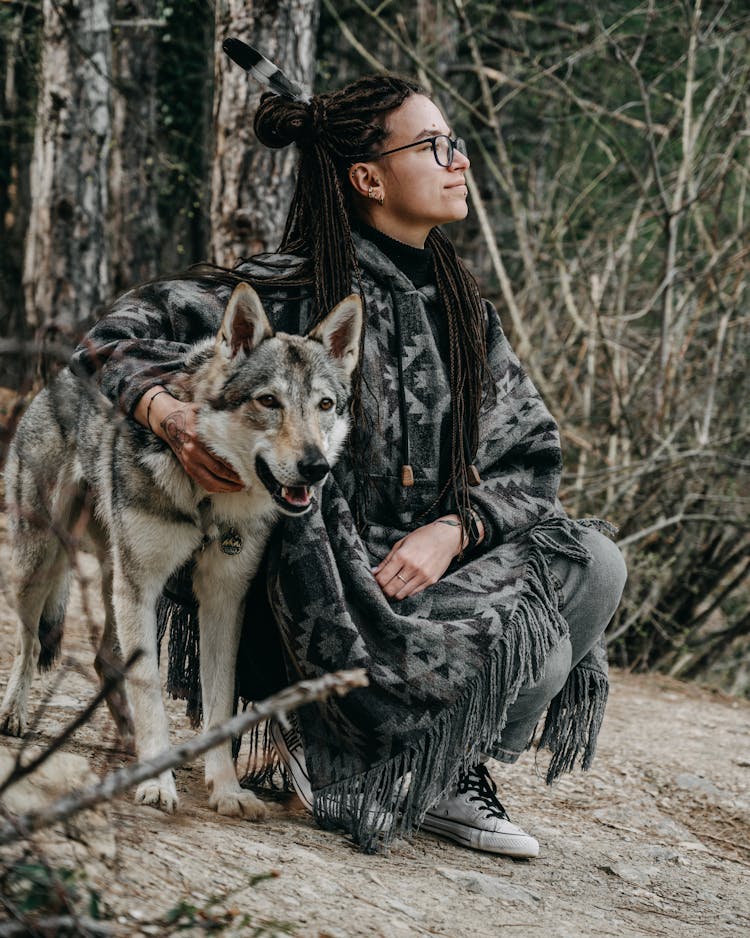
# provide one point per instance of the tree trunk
(19, 51)
(183, 104)
(66, 266)
(135, 230)
(251, 186)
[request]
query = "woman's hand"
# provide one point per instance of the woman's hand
(174, 421)
(419, 559)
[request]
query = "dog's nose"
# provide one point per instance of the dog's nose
(313, 466)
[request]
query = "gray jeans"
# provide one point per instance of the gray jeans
(589, 596)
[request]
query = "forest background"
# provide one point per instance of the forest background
(610, 208)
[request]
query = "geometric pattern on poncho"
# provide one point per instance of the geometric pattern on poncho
(443, 665)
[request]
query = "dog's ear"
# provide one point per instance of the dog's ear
(340, 333)
(245, 323)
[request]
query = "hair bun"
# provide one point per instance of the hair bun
(279, 121)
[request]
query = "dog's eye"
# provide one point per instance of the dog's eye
(326, 403)
(268, 400)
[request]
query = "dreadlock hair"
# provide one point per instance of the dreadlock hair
(333, 131)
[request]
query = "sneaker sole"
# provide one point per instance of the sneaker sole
(527, 847)
(296, 770)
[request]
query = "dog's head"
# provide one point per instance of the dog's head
(276, 404)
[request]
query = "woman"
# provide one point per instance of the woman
(439, 557)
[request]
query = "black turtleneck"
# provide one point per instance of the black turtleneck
(416, 263)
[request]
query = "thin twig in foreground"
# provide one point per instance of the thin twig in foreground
(304, 692)
(21, 770)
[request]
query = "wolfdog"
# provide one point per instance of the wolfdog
(275, 408)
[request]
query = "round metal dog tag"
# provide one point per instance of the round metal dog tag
(231, 543)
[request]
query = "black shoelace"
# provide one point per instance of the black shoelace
(291, 735)
(479, 780)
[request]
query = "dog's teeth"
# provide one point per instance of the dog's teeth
(296, 494)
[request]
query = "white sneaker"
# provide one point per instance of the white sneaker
(288, 744)
(474, 817)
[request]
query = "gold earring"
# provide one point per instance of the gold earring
(371, 195)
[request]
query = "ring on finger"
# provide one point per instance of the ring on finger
(399, 577)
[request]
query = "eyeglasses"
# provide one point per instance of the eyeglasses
(443, 148)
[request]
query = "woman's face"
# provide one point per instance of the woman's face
(417, 193)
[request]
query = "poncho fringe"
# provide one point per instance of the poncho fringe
(392, 798)
(177, 614)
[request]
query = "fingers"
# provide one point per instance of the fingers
(398, 578)
(211, 482)
(200, 459)
(207, 469)
(416, 561)
(389, 566)
(411, 587)
(210, 472)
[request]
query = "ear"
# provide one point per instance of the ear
(364, 178)
(340, 332)
(245, 324)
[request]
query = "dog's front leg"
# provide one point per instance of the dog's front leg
(220, 583)
(134, 605)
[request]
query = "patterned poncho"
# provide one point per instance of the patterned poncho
(444, 665)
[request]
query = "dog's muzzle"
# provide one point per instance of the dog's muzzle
(294, 499)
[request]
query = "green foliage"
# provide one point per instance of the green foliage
(31, 888)
(208, 917)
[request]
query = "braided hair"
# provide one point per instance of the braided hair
(332, 132)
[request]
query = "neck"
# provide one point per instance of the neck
(415, 236)
(416, 263)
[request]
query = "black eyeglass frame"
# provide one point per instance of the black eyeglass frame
(458, 144)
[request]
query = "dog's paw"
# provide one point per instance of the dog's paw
(12, 722)
(240, 803)
(158, 794)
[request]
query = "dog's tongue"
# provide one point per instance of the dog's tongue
(296, 494)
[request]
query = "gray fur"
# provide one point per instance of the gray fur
(76, 467)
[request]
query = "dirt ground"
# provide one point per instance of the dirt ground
(654, 840)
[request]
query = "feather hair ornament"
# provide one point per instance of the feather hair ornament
(263, 70)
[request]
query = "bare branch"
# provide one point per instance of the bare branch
(304, 692)
(679, 519)
(590, 107)
(22, 769)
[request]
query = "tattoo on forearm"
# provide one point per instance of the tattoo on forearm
(174, 427)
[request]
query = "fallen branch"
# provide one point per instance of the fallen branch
(304, 692)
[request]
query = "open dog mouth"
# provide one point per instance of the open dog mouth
(292, 498)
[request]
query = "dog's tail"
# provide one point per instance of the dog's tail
(50, 637)
(51, 626)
